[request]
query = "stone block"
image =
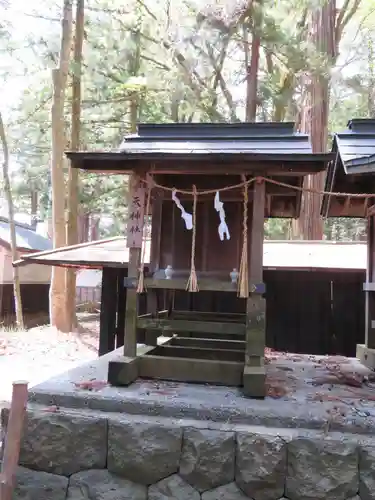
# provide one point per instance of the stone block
(322, 470)
(102, 485)
(143, 452)
(123, 372)
(172, 488)
(261, 465)
(34, 485)
(63, 443)
(207, 459)
(367, 473)
(227, 492)
(254, 381)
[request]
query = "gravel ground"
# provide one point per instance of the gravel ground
(40, 353)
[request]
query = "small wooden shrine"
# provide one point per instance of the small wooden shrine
(208, 188)
(353, 172)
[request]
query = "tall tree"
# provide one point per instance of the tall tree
(325, 28)
(72, 219)
(252, 62)
(12, 227)
(58, 316)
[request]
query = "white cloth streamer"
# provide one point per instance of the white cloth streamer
(188, 218)
(223, 228)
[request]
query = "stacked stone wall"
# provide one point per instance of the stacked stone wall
(80, 456)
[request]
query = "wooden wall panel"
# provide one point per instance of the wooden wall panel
(211, 254)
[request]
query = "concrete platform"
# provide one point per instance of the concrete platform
(311, 392)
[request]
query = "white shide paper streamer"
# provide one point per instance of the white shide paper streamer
(223, 228)
(188, 218)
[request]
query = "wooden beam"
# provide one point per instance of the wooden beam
(233, 345)
(179, 325)
(198, 352)
(191, 370)
(205, 284)
(208, 315)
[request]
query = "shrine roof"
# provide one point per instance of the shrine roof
(206, 142)
(353, 168)
(293, 254)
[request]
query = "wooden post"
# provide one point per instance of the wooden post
(130, 339)
(13, 440)
(366, 351)
(108, 311)
(254, 371)
(370, 333)
(125, 371)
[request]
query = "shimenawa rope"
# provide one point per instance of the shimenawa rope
(243, 276)
(271, 181)
(192, 284)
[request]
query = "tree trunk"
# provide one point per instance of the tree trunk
(371, 83)
(252, 66)
(12, 227)
(314, 120)
(34, 199)
(58, 315)
(72, 219)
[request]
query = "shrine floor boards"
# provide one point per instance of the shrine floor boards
(331, 393)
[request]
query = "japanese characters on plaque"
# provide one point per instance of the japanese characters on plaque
(136, 217)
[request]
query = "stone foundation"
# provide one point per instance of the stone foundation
(81, 455)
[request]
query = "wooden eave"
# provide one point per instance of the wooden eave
(349, 174)
(199, 163)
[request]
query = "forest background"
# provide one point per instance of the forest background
(182, 60)
(306, 61)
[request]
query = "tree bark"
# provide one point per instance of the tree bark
(72, 219)
(34, 199)
(12, 227)
(314, 120)
(58, 315)
(326, 27)
(252, 65)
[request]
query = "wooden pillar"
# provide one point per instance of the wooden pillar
(366, 351)
(254, 371)
(131, 312)
(124, 371)
(107, 329)
(370, 285)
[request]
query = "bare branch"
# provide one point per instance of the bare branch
(345, 16)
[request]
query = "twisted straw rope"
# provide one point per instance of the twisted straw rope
(243, 277)
(141, 279)
(192, 284)
(266, 179)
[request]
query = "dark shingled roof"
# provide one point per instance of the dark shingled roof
(356, 146)
(192, 138)
(354, 151)
(249, 142)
